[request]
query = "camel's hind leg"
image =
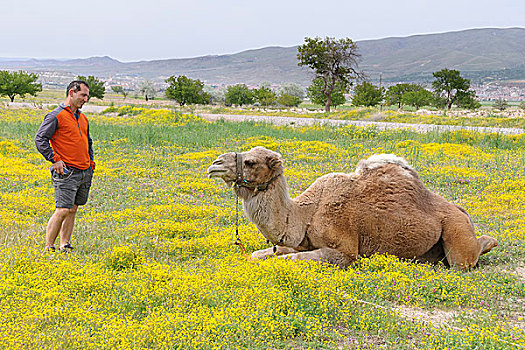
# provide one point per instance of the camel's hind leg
(461, 246)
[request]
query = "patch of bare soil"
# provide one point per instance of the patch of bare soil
(517, 319)
(412, 313)
(520, 271)
(433, 317)
(352, 340)
(376, 117)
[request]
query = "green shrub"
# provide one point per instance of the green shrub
(122, 258)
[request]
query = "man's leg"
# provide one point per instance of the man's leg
(63, 220)
(67, 226)
(55, 225)
(81, 197)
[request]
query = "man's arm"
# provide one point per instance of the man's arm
(90, 150)
(44, 134)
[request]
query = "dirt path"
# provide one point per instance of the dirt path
(87, 108)
(380, 125)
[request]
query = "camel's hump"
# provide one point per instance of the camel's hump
(379, 160)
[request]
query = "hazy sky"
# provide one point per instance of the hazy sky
(132, 30)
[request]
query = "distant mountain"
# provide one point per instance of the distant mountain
(472, 52)
(480, 54)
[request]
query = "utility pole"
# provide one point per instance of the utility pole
(381, 90)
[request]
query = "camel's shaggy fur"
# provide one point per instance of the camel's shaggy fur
(381, 208)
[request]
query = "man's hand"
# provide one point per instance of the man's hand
(58, 167)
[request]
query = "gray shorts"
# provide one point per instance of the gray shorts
(72, 188)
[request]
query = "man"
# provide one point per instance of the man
(63, 139)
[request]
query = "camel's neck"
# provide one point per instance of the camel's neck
(276, 215)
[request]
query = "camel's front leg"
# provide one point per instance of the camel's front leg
(329, 255)
(273, 251)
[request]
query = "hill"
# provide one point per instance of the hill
(480, 54)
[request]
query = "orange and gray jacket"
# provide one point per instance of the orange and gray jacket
(64, 136)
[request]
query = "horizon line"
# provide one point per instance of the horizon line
(26, 58)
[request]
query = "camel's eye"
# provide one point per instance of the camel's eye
(249, 163)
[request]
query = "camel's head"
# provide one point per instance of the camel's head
(257, 166)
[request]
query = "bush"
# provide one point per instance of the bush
(367, 95)
(501, 104)
(289, 100)
(238, 95)
(122, 258)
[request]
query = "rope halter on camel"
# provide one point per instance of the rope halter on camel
(240, 181)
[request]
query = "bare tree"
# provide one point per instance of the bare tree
(147, 89)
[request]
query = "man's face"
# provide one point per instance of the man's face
(80, 97)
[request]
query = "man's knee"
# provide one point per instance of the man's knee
(63, 212)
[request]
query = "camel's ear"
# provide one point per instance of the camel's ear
(274, 161)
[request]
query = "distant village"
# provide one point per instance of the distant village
(510, 91)
(500, 91)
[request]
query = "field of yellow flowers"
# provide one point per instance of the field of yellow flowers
(155, 268)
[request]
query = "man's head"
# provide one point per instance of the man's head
(77, 93)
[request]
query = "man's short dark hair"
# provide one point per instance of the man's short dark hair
(75, 86)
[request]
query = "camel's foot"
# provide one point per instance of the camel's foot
(328, 255)
(487, 243)
(262, 254)
(273, 251)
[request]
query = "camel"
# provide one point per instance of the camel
(383, 207)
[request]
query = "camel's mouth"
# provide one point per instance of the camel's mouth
(220, 174)
(217, 171)
(221, 167)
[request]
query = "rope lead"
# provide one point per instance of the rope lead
(237, 240)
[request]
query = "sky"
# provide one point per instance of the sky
(132, 30)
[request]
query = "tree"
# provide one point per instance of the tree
(418, 98)
(18, 83)
(450, 86)
(292, 89)
(317, 95)
(335, 64)
(119, 90)
(367, 94)
(288, 100)
(147, 89)
(186, 91)
(501, 104)
(264, 95)
(394, 94)
(290, 95)
(522, 105)
(217, 95)
(467, 99)
(238, 95)
(96, 86)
